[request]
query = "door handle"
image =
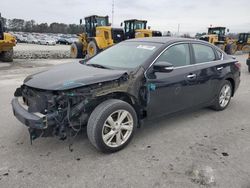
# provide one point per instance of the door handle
(191, 76)
(219, 68)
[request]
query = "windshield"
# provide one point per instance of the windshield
(217, 31)
(140, 25)
(101, 21)
(125, 55)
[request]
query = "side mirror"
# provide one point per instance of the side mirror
(121, 24)
(163, 66)
(80, 21)
(149, 27)
(228, 30)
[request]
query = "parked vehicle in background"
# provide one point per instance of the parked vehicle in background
(135, 80)
(64, 40)
(243, 42)
(32, 40)
(21, 39)
(46, 41)
(217, 36)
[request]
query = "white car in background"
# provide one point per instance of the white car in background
(46, 41)
(32, 40)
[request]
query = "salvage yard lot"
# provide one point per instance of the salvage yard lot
(164, 153)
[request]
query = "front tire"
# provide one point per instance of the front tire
(246, 48)
(7, 56)
(76, 50)
(92, 49)
(223, 97)
(111, 125)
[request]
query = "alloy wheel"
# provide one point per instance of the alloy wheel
(117, 128)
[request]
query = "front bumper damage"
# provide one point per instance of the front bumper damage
(31, 120)
(38, 124)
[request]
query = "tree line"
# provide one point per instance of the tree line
(31, 26)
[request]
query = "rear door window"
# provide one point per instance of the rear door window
(203, 53)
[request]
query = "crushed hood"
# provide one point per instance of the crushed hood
(71, 75)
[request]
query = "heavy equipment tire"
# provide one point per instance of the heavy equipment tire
(223, 96)
(92, 49)
(76, 50)
(221, 46)
(7, 56)
(246, 48)
(231, 48)
(111, 125)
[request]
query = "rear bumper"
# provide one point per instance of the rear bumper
(32, 120)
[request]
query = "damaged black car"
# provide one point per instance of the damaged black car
(135, 80)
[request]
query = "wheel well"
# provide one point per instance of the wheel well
(233, 84)
(124, 97)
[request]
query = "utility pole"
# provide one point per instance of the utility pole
(113, 5)
(178, 30)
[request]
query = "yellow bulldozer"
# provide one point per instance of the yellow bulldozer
(138, 29)
(7, 42)
(243, 42)
(97, 36)
(217, 36)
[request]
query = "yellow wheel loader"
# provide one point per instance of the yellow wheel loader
(217, 36)
(7, 42)
(98, 36)
(243, 42)
(138, 29)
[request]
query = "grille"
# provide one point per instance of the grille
(36, 100)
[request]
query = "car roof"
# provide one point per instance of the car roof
(163, 40)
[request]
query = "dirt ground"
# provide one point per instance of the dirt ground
(202, 148)
(36, 51)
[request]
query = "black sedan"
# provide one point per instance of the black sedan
(134, 80)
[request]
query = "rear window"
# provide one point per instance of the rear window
(203, 53)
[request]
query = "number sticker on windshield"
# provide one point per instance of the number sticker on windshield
(146, 47)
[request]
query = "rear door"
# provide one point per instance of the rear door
(207, 70)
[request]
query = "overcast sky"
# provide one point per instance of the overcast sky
(192, 15)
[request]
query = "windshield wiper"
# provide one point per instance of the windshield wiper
(98, 66)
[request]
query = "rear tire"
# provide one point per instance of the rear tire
(231, 48)
(111, 125)
(92, 49)
(76, 50)
(246, 48)
(7, 56)
(223, 97)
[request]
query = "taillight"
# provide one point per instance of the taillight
(238, 65)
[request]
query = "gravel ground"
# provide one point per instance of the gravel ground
(35, 51)
(203, 148)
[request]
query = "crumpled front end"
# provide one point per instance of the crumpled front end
(49, 113)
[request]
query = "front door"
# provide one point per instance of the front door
(173, 91)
